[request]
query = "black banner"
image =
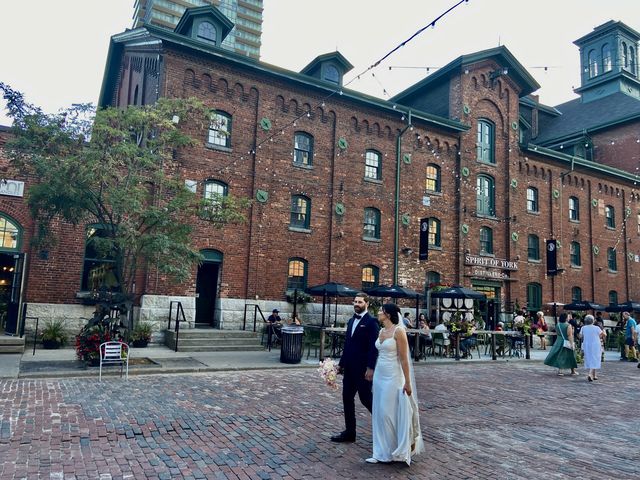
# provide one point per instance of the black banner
(552, 257)
(424, 239)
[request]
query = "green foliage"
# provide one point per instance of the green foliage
(141, 332)
(54, 331)
(122, 172)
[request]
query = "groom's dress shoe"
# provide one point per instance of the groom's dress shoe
(343, 437)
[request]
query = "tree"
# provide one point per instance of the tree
(118, 172)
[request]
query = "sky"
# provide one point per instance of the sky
(57, 57)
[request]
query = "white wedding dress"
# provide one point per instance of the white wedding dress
(395, 417)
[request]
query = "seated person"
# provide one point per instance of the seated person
(468, 340)
(441, 328)
(500, 340)
(406, 320)
(274, 325)
(425, 337)
(295, 320)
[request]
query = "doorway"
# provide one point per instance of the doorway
(489, 307)
(11, 272)
(207, 289)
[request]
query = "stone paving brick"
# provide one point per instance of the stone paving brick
(480, 421)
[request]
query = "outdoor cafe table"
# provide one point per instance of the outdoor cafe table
(336, 334)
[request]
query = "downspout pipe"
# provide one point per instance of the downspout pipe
(396, 222)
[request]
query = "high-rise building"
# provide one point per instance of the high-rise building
(246, 15)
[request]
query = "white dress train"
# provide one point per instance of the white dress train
(395, 418)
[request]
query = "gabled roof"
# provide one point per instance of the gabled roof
(500, 55)
(208, 10)
(154, 37)
(576, 117)
(334, 56)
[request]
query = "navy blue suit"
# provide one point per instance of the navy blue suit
(359, 353)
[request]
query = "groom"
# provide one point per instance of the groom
(357, 363)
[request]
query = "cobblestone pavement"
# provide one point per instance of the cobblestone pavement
(513, 420)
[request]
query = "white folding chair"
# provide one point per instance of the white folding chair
(115, 353)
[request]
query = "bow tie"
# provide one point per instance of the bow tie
(357, 317)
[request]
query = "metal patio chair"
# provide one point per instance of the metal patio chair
(115, 353)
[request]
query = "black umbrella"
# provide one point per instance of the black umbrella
(458, 292)
(582, 305)
(396, 291)
(627, 306)
(331, 289)
(393, 291)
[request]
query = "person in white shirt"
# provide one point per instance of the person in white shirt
(445, 334)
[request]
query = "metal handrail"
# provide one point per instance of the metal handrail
(179, 316)
(256, 310)
(35, 334)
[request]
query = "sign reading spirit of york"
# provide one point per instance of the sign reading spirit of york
(490, 262)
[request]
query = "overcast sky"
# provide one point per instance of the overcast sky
(54, 51)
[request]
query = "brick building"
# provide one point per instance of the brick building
(340, 180)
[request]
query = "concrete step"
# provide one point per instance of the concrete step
(209, 340)
(220, 348)
(9, 344)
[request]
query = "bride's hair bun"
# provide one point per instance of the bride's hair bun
(393, 311)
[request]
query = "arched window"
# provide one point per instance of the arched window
(532, 199)
(486, 241)
(625, 55)
(612, 261)
(300, 212)
(373, 165)
(215, 191)
(533, 247)
(534, 296)
(485, 196)
(574, 254)
(432, 183)
(592, 60)
(610, 216)
(433, 279)
(297, 274)
(207, 32)
(606, 58)
(370, 276)
(10, 234)
(220, 129)
(98, 270)
(331, 74)
(485, 142)
(434, 233)
(303, 149)
(574, 209)
(576, 294)
(613, 297)
(632, 61)
(371, 223)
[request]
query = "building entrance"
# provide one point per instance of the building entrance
(11, 278)
(207, 289)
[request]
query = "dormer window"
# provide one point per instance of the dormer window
(207, 32)
(331, 74)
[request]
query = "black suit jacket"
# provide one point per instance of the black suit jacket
(360, 351)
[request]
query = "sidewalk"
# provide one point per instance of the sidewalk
(162, 360)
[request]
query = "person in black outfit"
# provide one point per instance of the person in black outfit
(356, 364)
(274, 325)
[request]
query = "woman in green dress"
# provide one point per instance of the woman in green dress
(560, 357)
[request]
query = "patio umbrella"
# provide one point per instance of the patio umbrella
(582, 305)
(331, 289)
(458, 292)
(627, 306)
(396, 291)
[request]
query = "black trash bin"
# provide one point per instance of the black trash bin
(291, 348)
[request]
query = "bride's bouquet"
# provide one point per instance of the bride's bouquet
(329, 373)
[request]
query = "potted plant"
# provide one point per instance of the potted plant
(88, 343)
(141, 335)
(53, 335)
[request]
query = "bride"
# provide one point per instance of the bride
(395, 417)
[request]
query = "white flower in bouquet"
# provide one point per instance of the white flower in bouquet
(329, 373)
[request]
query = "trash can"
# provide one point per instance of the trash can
(291, 348)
